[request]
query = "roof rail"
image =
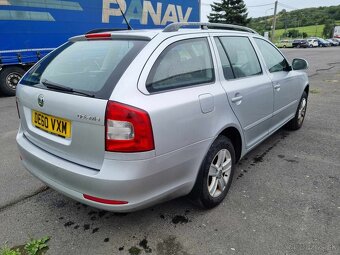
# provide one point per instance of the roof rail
(174, 27)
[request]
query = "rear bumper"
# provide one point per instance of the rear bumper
(140, 182)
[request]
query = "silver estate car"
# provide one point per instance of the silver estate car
(121, 120)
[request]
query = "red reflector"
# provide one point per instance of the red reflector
(98, 36)
(104, 201)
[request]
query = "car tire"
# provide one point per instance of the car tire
(297, 121)
(9, 78)
(216, 174)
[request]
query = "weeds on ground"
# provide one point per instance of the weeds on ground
(7, 251)
(32, 247)
(314, 91)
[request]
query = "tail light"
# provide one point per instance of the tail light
(128, 129)
(98, 36)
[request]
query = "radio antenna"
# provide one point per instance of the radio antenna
(127, 23)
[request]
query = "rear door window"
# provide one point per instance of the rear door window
(182, 64)
(88, 66)
(242, 56)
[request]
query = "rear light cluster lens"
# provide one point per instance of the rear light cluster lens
(128, 129)
(98, 36)
(120, 130)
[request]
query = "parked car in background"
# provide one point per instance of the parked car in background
(323, 43)
(284, 44)
(313, 42)
(300, 43)
(336, 40)
(336, 33)
(333, 42)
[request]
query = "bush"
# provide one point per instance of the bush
(294, 33)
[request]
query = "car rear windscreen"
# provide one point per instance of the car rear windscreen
(92, 67)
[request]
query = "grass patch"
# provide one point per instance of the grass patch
(310, 30)
(7, 251)
(315, 30)
(332, 81)
(314, 91)
(32, 247)
(134, 250)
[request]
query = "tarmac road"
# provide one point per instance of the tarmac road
(285, 198)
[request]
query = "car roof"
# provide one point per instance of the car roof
(173, 29)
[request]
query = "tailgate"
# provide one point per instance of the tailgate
(66, 125)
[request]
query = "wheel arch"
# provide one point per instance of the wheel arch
(234, 135)
(306, 89)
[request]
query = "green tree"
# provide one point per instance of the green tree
(300, 17)
(230, 12)
(328, 30)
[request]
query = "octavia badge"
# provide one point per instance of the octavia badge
(41, 100)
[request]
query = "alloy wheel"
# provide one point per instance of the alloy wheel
(219, 173)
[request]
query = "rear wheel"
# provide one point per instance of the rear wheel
(216, 174)
(297, 121)
(9, 78)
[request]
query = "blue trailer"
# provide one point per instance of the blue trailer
(30, 29)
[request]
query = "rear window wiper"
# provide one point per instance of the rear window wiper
(58, 87)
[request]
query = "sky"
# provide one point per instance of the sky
(264, 10)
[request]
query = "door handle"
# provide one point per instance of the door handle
(236, 99)
(277, 87)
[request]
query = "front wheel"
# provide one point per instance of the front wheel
(9, 79)
(297, 121)
(216, 173)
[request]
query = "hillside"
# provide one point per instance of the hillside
(311, 18)
(309, 30)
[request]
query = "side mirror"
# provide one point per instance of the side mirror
(299, 64)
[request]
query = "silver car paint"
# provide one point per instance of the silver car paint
(185, 123)
(287, 88)
(86, 146)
